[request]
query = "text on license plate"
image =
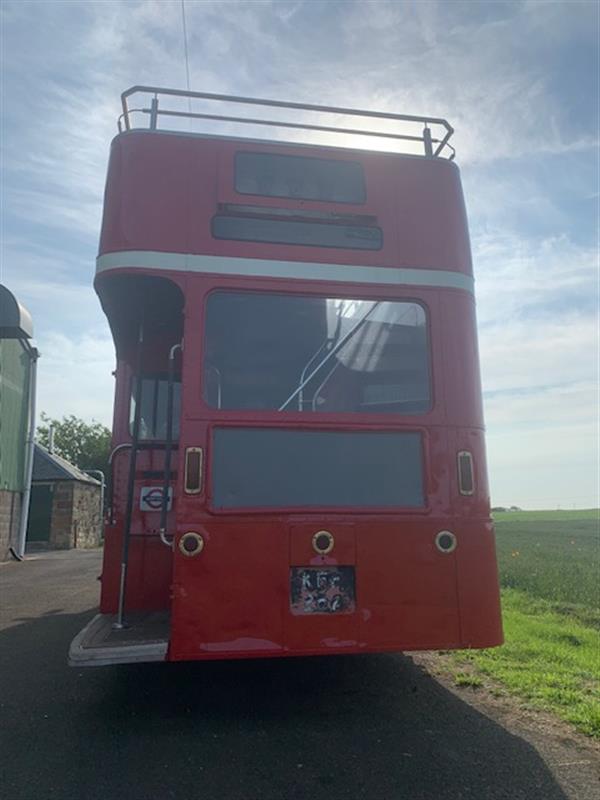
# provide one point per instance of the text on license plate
(322, 590)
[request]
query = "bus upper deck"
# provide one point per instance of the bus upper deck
(196, 194)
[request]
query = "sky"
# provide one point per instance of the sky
(517, 80)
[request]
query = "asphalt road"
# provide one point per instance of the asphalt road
(337, 727)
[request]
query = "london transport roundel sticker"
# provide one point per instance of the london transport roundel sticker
(151, 498)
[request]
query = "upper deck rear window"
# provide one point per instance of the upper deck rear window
(298, 177)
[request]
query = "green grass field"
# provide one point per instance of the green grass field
(549, 565)
(560, 515)
(552, 555)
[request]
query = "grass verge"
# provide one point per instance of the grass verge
(550, 659)
(549, 568)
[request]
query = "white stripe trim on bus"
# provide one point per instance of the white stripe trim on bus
(266, 268)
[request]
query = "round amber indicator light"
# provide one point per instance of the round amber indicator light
(191, 544)
(322, 542)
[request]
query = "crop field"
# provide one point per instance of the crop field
(552, 555)
(549, 566)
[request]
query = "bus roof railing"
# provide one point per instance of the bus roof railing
(433, 146)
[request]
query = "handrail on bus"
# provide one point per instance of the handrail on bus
(150, 445)
(164, 506)
(154, 112)
(335, 349)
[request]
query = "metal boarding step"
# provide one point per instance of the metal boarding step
(145, 638)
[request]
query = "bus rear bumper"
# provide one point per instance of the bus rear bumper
(145, 639)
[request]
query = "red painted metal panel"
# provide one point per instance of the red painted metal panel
(149, 574)
(302, 552)
(162, 192)
(229, 599)
(407, 588)
(479, 599)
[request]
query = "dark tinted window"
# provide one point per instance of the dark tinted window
(299, 177)
(277, 231)
(270, 468)
(293, 352)
(153, 419)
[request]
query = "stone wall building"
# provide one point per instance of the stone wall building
(10, 519)
(65, 504)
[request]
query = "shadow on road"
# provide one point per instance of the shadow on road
(336, 727)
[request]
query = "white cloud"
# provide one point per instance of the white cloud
(544, 408)
(522, 355)
(74, 376)
(531, 277)
(492, 72)
(544, 467)
(393, 56)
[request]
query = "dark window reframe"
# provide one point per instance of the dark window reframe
(328, 230)
(360, 197)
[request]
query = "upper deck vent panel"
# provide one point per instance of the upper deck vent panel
(177, 110)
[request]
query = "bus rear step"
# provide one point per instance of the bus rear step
(144, 639)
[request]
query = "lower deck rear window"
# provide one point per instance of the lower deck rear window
(278, 231)
(282, 468)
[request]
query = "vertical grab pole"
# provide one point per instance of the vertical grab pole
(168, 448)
(119, 624)
(29, 451)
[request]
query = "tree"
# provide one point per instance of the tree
(87, 445)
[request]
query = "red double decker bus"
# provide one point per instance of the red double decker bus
(298, 461)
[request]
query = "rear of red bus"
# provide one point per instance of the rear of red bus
(327, 491)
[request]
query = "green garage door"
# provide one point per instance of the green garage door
(40, 514)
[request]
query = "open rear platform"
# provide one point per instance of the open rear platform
(144, 639)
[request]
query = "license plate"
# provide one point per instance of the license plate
(322, 590)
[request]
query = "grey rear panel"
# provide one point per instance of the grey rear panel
(278, 468)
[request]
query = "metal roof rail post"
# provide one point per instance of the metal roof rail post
(444, 142)
(427, 142)
(154, 113)
(125, 108)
